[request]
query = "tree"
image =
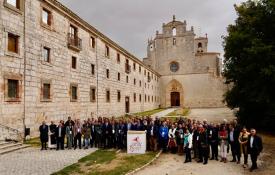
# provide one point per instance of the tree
(250, 63)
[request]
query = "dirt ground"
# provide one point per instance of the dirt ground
(172, 164)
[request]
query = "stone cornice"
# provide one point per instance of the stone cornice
(70, 14)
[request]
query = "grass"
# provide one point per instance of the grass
(34, 142)
(151, 112)
(106, 162)
(179, 112)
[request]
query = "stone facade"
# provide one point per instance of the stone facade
(190, 75)
(138, 84)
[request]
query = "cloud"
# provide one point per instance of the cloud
(131, 22)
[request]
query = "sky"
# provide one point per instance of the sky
(131, 22)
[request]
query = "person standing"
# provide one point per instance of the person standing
(44, 131)
(52, 134)
(77, 134)
(234, 143)
(163, 133)
(70, 135)
(87, 135)
(60, 135)
(172, 145)
(203, 145)
(179, 136)
(243, 139)
(214, 141)
(223, 137)
(195, 141)
(188, 145)
(254, 148)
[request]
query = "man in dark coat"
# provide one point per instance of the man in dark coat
(60, 135)
(254, 148)
(44, 130)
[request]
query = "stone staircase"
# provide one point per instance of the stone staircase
(7, 147)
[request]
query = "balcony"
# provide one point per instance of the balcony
(127, 68)
(74, 42)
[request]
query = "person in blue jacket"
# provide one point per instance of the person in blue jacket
(163, 136)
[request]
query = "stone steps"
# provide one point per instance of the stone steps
(7, 147)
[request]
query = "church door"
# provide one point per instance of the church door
(175, 99)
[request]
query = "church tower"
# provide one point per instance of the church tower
(184, 63)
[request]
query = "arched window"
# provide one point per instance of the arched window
(199, 45)
(174, 66)
(174, 31)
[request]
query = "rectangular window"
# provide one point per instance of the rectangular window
(93, 69)
(118, 96)
(134, 66)
(127, 79)
(118, 76)
(92, 42)
(73, 31)
(13, 89)
(139, 97)
(46, 54)
(118, 58)
(14, 3)
(46, 17)
(145, 98)
(134, 81)
(135, 98)
(74, 93)
(139, 83)
(107, 73)
(13, 43)
(107, 95)
(145, 72)
(107, 51)
(92, 94)
(46, 90)
(74, 62)
(139, 69)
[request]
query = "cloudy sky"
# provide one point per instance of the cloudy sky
(131, 22)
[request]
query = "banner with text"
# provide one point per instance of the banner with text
(136, 142)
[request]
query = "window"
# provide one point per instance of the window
(139, 83)
(13, 89)
(174, 41)
(118, 96)
(135, 98)
(46, 91)
(13, 43)
(127, 79)
(148, 98)
(139, 97)
(107, 95)
(134, 66)
(144, 72)
(46, 17)
(93, 69)
(199, 45)
(139, 69)
(74, 95)
(145, 98)
(73, 31)
(118, 76)
(92, 42)
(107, 51)
(134, 81)
(74, 42)
(107, 73)
(46, 54)
(92, 94)
(118, 58)
(174, 67)
(74, 62)
(174, 31)
(14, 3)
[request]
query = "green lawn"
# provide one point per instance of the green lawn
(107, 162)
(151, 112)
(34, 142)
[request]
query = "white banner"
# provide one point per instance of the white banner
(136, 142)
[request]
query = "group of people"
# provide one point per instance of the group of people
(180, 136)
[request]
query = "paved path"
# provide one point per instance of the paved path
(164, 113)
(32, 161)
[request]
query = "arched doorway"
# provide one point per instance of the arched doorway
(175, 99)
(174, 94)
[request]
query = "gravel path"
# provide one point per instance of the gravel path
(164, 113)
(32, 161)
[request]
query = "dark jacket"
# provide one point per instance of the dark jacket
(63, 132)
(257, 145)
(44, 133)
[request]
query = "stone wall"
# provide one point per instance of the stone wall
(60, 74)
